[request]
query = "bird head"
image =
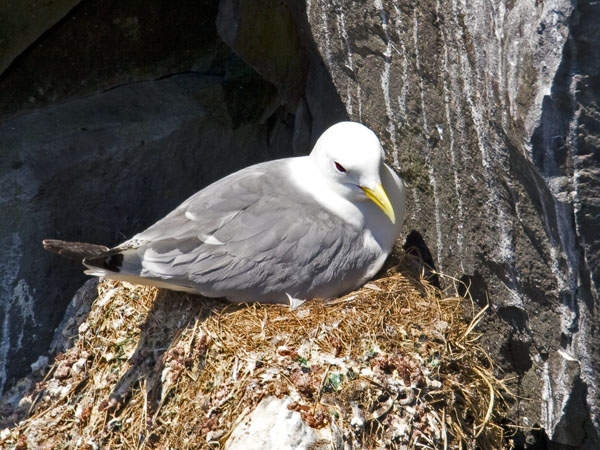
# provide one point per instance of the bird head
(350, 157)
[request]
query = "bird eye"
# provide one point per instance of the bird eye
(339, 167)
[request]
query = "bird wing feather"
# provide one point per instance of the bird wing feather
(232, 236)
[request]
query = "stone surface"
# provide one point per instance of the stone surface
(264, 34)
(104, 43)
(308, 91)
(272, 425)
(21, 23)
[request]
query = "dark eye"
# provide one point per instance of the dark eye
(339, 167)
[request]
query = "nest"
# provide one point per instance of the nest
(395, 364)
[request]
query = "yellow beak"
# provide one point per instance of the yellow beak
(381, 199)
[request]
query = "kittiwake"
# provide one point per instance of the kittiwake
(287, 230)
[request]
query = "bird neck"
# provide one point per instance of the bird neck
(305, 174)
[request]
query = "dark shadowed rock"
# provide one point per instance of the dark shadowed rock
(264, 34)
(106, 43)
(21, 23)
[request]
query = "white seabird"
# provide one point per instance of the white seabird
(281, 231)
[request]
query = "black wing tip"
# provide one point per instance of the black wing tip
(108, 261)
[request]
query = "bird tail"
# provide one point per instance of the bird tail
(77, 251)
(122, 264)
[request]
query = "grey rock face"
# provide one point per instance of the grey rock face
(490, 113)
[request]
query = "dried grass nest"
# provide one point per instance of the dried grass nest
(395, 364)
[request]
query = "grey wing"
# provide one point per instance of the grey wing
(249, 236)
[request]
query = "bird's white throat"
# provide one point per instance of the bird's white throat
(303, 172)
